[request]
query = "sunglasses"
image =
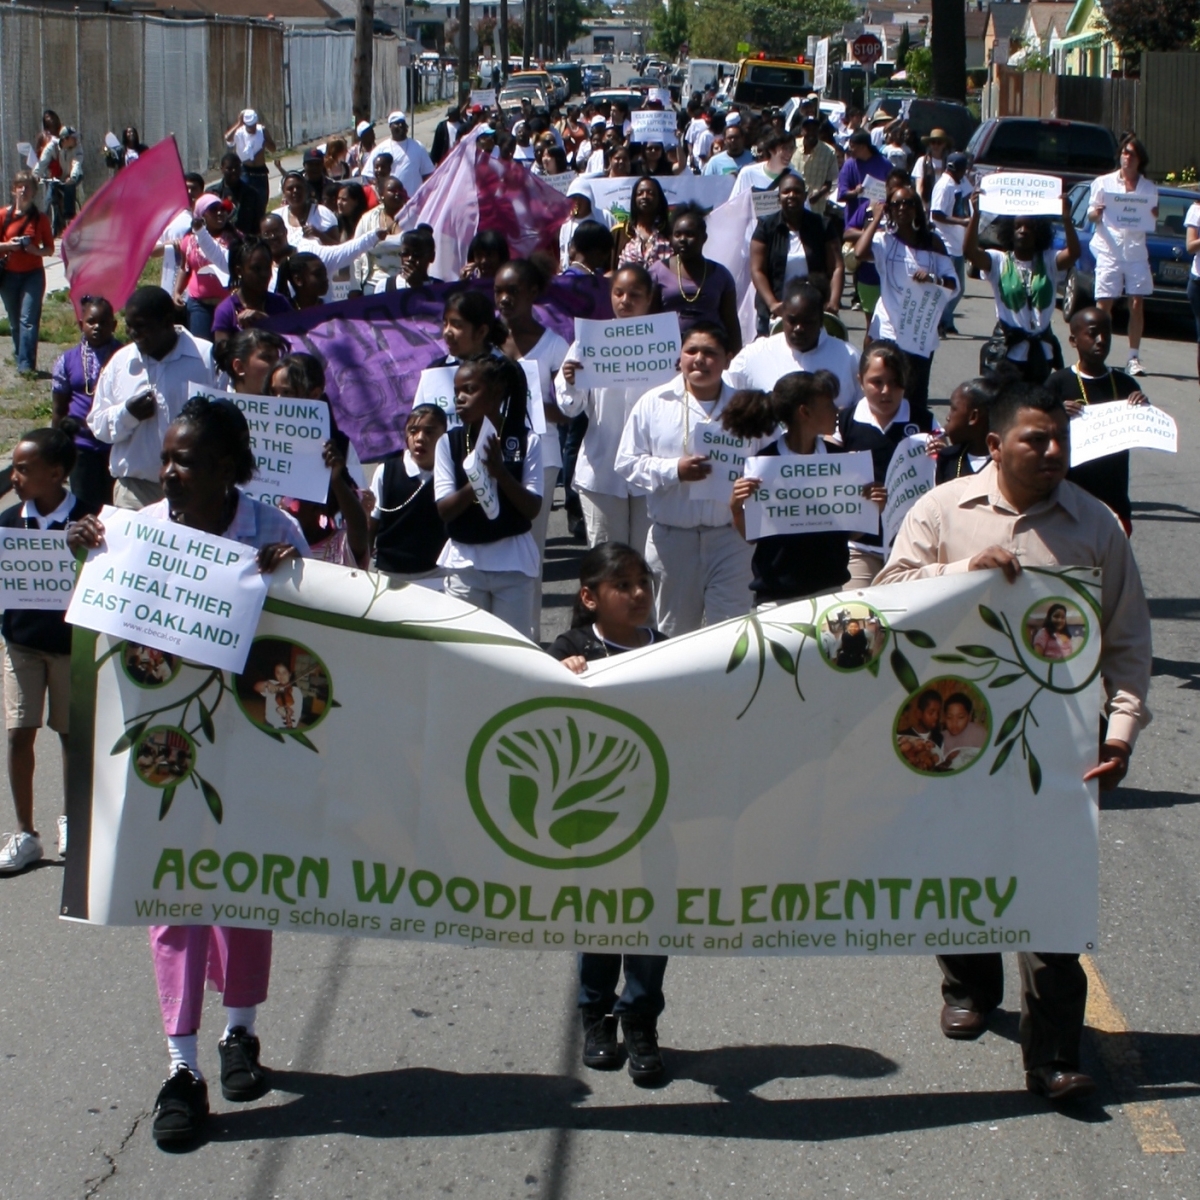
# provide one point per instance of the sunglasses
(903, 204)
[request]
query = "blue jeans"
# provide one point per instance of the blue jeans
(960, 269)
(642, 996)
(22, 292)
(200, 318)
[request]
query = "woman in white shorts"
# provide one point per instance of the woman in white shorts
(1119, 248)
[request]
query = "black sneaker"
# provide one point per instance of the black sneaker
(641, 1044)
(241, 1076)
(600, 1048)
(181, 1108)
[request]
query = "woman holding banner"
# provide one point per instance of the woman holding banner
(206, 455)
(911, 259)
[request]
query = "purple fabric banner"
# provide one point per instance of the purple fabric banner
(374, 348)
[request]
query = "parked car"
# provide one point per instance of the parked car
(510, 98)
(624, 96)
(644, 82)
(926, 115)
(561, 89)
(1075, 151)
(1170, 262)
(606, 58)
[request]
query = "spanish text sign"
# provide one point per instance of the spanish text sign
(641, 350)
(804, 493)
(288, 438)
(164, 585)
(1020, 194)
(1130, 210)
(831, 776)
(37, 569)
(1102, 429)
(911, 473)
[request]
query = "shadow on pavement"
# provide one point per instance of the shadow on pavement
(1165, 1058)
(426, 1103)
(1155, 510)
(1133, 799)
(1178, 668)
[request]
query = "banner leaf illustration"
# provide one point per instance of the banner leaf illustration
(782, 656)
(873, 667)
(586, 789)
(1035, 773)
(977, 651)
(1005, 680)
(989, 618)
(904, 672)
(583, 825)
(212, 798)
(1010, 723)
(129, 738)
(1002, 757)
(922, 640)
(807, 630)
(303, 740)
(167, 796)
(949, 658)
(206, 722)
(522, 800)
(739, 651)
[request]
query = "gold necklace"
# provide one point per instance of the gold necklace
(679, 276)
(1112, 381)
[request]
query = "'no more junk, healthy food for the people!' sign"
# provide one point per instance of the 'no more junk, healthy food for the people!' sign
(891, 770)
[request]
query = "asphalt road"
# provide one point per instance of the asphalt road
(411, 1070)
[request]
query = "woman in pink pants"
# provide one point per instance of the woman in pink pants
(206, 454)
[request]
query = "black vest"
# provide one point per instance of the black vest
(409, 540)
(473, 527)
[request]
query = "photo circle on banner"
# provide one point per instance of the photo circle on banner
(284, 687)
(851, 635)
(1055, 630)
(165, 755)
(148, 666)
(942, 728)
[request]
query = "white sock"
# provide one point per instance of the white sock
(240, 1016)
(182, 1049)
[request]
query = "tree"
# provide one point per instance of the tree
(670, 28)
(716, 27)
(1152, 24)
(783, 27)
(919, 68)
(902, 48)
(948, 47)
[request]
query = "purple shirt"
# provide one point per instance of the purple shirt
(69, 376)
(704, 307)
(225, 316)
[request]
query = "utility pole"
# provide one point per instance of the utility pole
(464, 49)
(364, 57)
(502, 30)
(527, 32)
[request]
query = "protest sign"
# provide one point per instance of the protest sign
(1130, 210)
(709, 191)
(436, 386)
(766, 202)
(727, 453)
(918, 313)
(26, 151)
(804, 493)
(164, 585)
(1102, 429)
(1020, 194)
(910, 474)
(482, 481)
(661, 94)
(288, 439)
(759, 787)
(874, 189)
(560, 182)
(37, 569)
(618, 353)
(821, 65)
(484, 97)
(652, 125)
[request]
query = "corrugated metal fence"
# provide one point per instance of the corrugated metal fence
(101, 72)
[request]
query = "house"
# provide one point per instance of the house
(1001, 37)
(976, 23)
(1086, 46)
(1044, 23)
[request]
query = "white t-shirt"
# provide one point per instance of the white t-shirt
(549, 353)
(765, 361)
(896, 263)
(1111, 244)
(1191, 221)
(796, 265)
(319, 217)
(518, 553)
(945, 194)
(245, 144)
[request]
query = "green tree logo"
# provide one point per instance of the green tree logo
(566, 783)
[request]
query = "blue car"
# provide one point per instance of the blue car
(1169, 259)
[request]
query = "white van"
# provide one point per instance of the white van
(703, 73)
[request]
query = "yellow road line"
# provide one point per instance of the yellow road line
(1152, 1125)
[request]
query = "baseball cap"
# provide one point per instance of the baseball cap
(734, 118)
(249, 116)
(362, 127)
(204, 203)
(313, 154)
(395, 118)
(957, 159)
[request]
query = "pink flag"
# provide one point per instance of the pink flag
(105, 248)
(470, 192)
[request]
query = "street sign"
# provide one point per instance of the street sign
(821, 65)
(867, 49)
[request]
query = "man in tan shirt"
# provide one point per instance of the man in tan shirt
(1019, 510)
(818, 163)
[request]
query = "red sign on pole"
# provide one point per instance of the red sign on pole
(867, 49)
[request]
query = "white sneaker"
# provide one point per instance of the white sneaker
(1134, 366)
(20, 851)
(62, 836)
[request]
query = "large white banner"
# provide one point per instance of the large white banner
(614, 195)
(1102, 429)
(895, 770)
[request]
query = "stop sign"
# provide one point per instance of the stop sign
(867, 49)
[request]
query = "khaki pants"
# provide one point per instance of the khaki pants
(615, 519)
(863, 568)
(136, 493)
(701, 576)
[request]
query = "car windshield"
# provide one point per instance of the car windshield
(1172, 210)
(792, 77)
(1083, 148)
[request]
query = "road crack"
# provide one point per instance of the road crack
(94, 1184)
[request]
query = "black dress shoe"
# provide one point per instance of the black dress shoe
(1059, 1083)
(242, 1078)
(181, 1108)
(962, 1024)
(641, 1044)
(600, 1048)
